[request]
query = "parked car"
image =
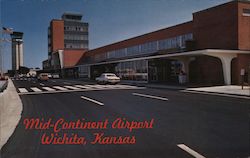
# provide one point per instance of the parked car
(108, 78)
(43, 77)
(55, 75)
(49, 75)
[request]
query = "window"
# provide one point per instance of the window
(84, 71)
(134, 50)
(132, 70)
(76, 45)
(246, 12)
(117, 53)
(149, 47)
(175, 42)
(75, 37)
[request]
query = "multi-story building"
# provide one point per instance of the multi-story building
(212, 48)
(17, 50)
(67, 42)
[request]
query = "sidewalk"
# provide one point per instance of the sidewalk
(230, 89)
(157, 86)
(10, 112)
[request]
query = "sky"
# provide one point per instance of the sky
(109, 21)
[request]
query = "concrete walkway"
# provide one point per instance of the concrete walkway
(10, 112)
(231, 90)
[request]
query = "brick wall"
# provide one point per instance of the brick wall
(244, 27)
(72, 57)
(217, 27)
(57, 35)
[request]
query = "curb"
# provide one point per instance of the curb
(10, 112)
(218, 93)
(4, 86)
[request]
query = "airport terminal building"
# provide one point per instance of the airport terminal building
(213, 48)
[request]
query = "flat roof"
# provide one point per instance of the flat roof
(189, 53)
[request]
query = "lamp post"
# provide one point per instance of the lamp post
(5, 31)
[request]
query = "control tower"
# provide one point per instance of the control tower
(17, 50)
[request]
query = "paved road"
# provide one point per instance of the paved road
(185, 124)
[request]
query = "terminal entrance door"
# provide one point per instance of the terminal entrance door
(163, 71)
(153, 77)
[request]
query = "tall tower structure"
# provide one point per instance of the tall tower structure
(17, 50)
(67, 41)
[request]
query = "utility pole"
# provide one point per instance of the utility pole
(3, 40)
(1, 49)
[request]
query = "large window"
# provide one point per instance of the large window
(76, 28)
(84, 71)
(175, 42)
(75, 37)
(133, 70)
(178, 42)
(76, 45)
(134, 50)
(246, 12)
(149, 47)
(117, 53)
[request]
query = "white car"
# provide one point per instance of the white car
(49, 75)
(108, 78)
(55, 76)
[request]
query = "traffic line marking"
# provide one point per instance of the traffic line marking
(92, 100)
(41, 84)
(81, 86)
(48, 88)
(150, 96)
(90, 86)
(35, 89)
(190, 151)
(60, 88)
(22, 90)
(71, 87)
(98, 86)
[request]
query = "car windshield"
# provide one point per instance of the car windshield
(111, 75)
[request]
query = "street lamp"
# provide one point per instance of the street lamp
(5, 31)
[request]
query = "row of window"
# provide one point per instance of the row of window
(75, 28)
(132, 70)
(76, 45)
(75, 37)
(175, 42)
(146, 48)
(246, 12)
